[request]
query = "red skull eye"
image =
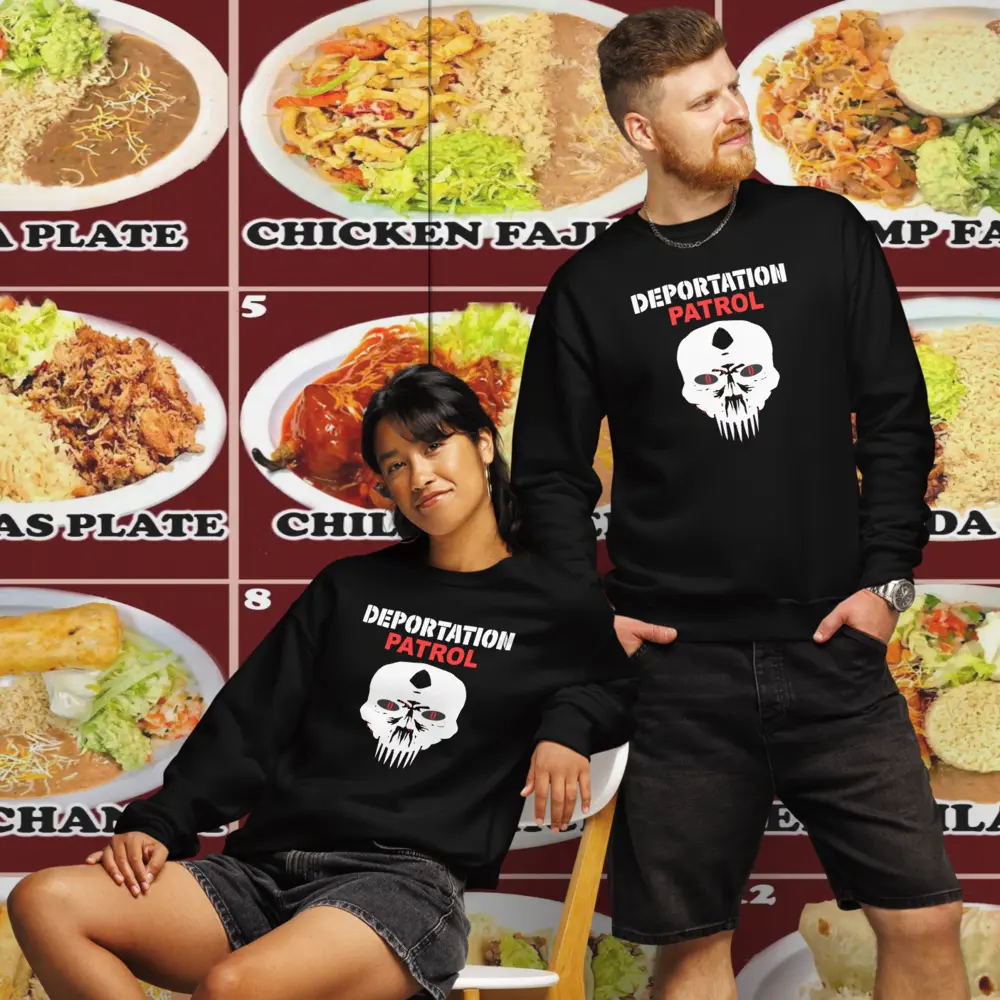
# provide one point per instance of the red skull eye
(752, 370)
(706, 379)
(433, 716)
(389, 706)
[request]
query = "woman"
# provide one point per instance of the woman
(378, 737)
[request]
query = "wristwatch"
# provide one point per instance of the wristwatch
(898, 594)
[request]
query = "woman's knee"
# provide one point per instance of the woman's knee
(44, 895)
(228, 980)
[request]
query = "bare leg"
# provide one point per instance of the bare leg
(701, 969)
(321, 953)
(919, 956)
(87, 938)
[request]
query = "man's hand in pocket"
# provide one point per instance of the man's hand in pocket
(632, 633)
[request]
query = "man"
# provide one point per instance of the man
(728, 331)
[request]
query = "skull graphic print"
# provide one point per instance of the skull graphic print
(411, 707)
(728, 371)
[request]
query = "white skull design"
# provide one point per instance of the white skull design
(411, 707)
(728, 370)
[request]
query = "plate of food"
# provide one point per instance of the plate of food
(945, 658)
(100, 101)
(958, 344)
(301, 419)
(96, 697)
(17, 980)
(97, 417)
(832, 956)
(518, 932)
(898, 107)
(499, 103)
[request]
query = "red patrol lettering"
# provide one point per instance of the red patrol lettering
(406, 646)
(393, 639)
(721, 305)
(469, 662)
(438, 651)
(675, 313)
(754, 304)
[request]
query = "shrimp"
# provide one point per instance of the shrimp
(905, 138)
(836, 141)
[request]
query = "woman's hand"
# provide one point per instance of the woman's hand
(133, 859)
(561, 769)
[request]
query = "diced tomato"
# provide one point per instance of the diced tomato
(289, 148)
(351, 175)
(328, 100)
(7, 303)
(386, 110)
(3, 45)
(363, 48)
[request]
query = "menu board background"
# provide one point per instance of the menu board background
(264, 573)
(199, 198)
(195, 324)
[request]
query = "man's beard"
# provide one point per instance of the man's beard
(717, 172)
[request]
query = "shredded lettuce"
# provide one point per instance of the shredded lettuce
(142, 674)
(459, 172)
(617, 971)
(960, 173)
(517, 953)
(484, 330)
(28, 336)
(54, 36)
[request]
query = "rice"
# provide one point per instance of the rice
(34, 463)
(24, 707)
(970, 453)
(508, 94)
(963, 726)
(28, 108)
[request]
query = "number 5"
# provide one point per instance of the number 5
(254, 306)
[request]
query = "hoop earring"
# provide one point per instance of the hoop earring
(489, 485)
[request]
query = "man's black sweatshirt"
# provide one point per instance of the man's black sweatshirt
(399, 704)
(729, 373)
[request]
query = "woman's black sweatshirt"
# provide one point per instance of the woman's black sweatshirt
(400, 704)
(728, 374)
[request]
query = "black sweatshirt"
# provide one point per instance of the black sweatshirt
(728, 374)
(399, 704)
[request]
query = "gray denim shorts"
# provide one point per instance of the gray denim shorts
(414, 903)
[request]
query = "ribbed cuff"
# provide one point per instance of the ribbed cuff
(567, 727)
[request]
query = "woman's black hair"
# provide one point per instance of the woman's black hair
(433, 404)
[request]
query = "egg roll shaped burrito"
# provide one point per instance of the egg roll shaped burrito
(843, 947)
(89, 635)
(15, 973)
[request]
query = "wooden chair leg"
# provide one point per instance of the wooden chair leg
(569, 950)
(470, 994)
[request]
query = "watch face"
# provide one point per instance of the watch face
(903, 595)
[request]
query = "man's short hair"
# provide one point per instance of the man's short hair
(643, 47)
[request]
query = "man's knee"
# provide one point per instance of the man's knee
(927, 925)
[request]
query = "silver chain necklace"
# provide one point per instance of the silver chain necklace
(689, 246)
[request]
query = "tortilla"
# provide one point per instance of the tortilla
(88, 635)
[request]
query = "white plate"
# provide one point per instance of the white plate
(785, 970)
(209, 128)
(183, 471)
(933, 313)
(772, 159)
(269, 398)
(130, 784)
(274, 77)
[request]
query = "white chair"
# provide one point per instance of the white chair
(564, 977)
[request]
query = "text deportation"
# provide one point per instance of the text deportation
(722, 283)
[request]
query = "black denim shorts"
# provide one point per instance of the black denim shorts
(724, 728)
(414, 903)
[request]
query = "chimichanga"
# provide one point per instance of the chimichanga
(89, 635)
(843, 947)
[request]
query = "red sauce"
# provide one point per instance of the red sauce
(324, 423)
